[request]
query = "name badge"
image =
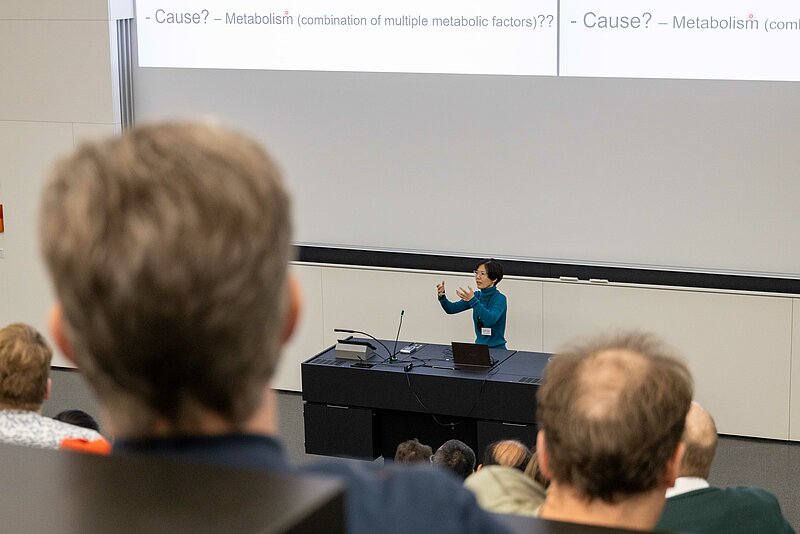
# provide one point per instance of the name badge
(486, 331)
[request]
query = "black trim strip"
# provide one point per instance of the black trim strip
(430, 262)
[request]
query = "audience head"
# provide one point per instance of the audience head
(700, 442)
(24, 368)
(508, 453)
(78, 418)
(534, 471)
(412, 451)
(456, 456)
(168, 248)
(611, 413)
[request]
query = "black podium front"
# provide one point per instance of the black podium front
(365, 412)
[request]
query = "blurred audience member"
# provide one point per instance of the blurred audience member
(169, 247)
(78, 418)
(611, 416)
(693, 505)
(534, 471)
(506, 490)
(24, 386)
(412, 451)
(455, 456)
(508, 453)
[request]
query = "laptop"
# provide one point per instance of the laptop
(471, 355)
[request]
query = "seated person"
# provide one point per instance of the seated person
(24, 386)
(501, 485)
(509, 452)
(455, 456)
(412, 451)
(693, 505)
(169, 249)
(83, 420)
(78, 418)
(534, 471)
(611, 414)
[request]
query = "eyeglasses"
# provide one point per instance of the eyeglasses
(479, 273)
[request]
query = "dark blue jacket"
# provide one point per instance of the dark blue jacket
(384, 499)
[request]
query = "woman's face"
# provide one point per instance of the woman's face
(481, 278)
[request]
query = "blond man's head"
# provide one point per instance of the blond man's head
(24, 367)
(700, 439)
(168, 248)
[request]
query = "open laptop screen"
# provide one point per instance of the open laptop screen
(471, 354)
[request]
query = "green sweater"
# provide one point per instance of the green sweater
(724, 510)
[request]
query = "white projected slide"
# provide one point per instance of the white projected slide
(464, 36)
(718, 40)
(712, 39)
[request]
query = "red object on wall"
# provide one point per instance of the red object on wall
(2, 228)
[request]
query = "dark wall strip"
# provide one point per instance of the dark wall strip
(430, 262)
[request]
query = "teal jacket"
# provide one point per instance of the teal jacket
(489, 308)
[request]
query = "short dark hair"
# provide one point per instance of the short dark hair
(412, 451)
(508, 453)
(494, 269)
(78, 418)
(613, 411)
(456, 456)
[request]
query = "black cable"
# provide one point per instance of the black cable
(430, 412)
(480, 395)
(433, 415)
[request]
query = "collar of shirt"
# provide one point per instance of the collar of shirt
(686, 484)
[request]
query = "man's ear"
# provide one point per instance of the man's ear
(48, 389)
(59, 331)
(673, 468)
(541, 453)
(294, 305)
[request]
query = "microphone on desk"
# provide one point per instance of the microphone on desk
(348, 331)
(393, 357)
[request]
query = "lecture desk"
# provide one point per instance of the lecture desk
(358, 411)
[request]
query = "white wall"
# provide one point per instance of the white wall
(738, 345)
(58, 86)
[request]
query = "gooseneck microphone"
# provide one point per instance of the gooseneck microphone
(348, 331)
(393, 357)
